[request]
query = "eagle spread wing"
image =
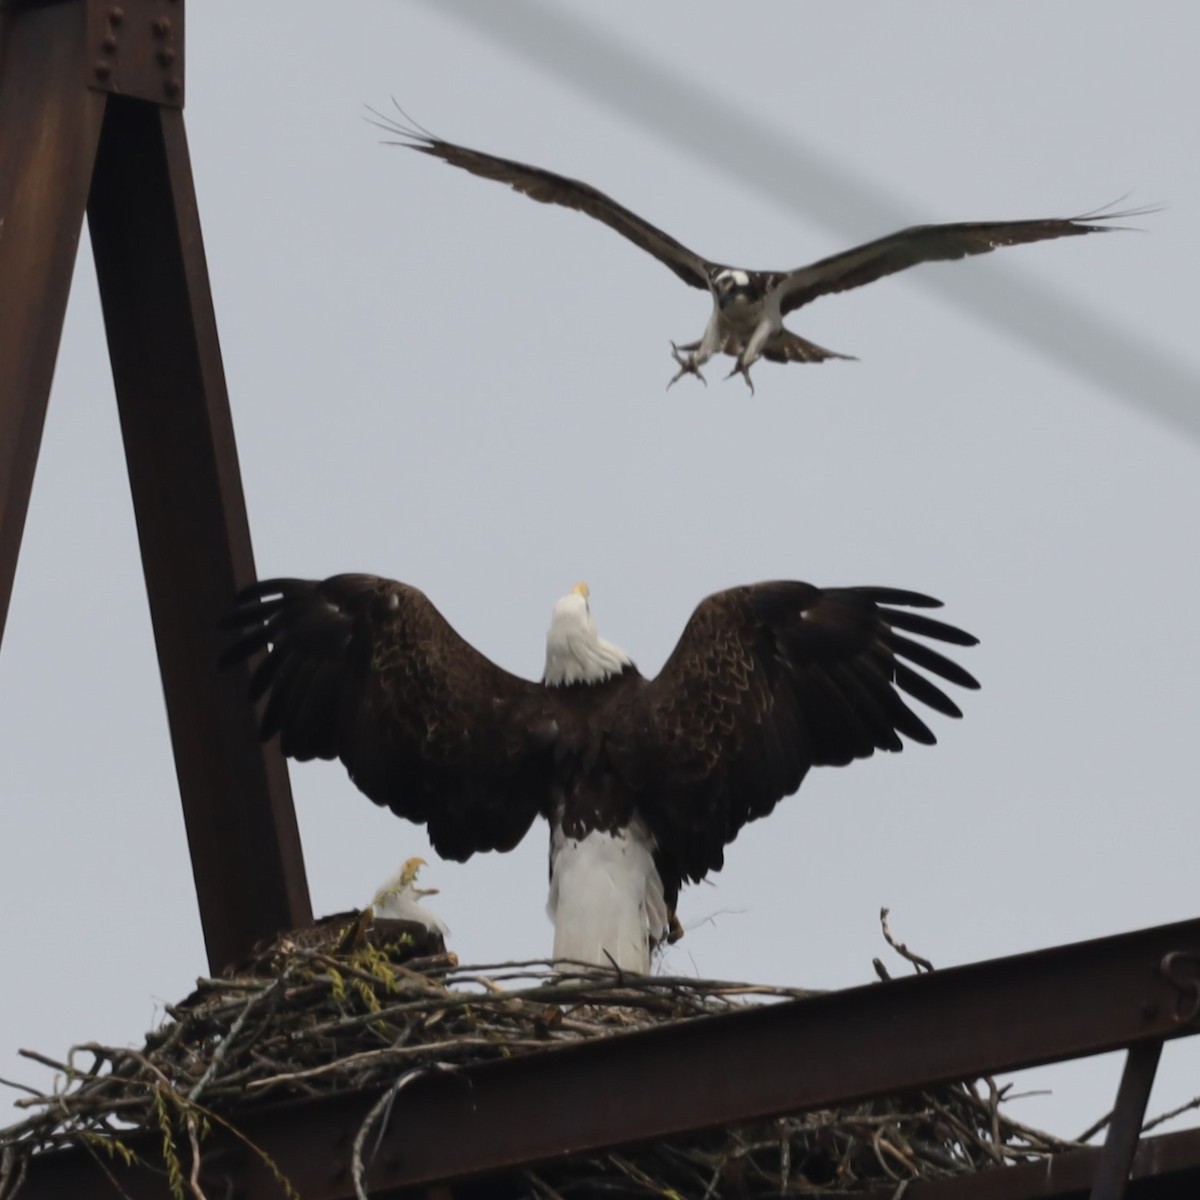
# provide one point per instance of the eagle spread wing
(927, 243)
(368, 671)
(549, 188)
(767, 681)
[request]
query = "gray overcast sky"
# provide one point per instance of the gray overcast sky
(435, 379)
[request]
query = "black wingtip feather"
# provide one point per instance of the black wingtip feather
(931, 660)
(927, 627)
(929, 694)
(883, 595)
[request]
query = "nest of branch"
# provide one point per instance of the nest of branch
(309, 1017)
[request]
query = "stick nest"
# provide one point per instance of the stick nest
(305, 1021)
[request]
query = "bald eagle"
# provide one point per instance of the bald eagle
(399, 899)
(643, 782)
(749, 306)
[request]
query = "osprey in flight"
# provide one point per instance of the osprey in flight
(643, 782)
(749, 306)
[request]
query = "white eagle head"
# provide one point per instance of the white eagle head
(731, 286)
(575, 652)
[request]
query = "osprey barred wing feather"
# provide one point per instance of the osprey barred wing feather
(549, 188)
(766, 682)
(928, 243)
(367, 670)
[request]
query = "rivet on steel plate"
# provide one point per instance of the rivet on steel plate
(1182, 969)
(166, 56)
(171, 87)
(161, 26)
(109, 44)
(116, 15)
(103, 69)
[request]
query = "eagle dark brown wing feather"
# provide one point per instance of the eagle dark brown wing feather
(927, 243)
(367, 670)
(549, 188)
(766, 682)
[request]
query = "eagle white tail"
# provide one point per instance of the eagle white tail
(606, 898)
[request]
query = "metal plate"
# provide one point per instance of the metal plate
(135, 48)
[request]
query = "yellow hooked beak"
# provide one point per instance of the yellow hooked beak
(410, 871)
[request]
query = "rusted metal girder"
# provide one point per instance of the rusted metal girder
(191, 519)
(63, 127)
(1116, 1159)
(1164, 1168)
(48, 137)
(880, 1039)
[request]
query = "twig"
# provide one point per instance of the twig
(194, 1174)
(21, 1087)
(382, 1105)
(1095, 1127)
(922, 964)
(1194, 1102)
(52, 1063)
(228, 1040)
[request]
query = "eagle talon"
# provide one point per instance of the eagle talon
(744, 371)
(687, 366)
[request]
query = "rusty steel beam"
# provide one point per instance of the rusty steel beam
(880, 1039)
(63, 131)
(1166, 1167)
(1116, 1159)
(191, 520)
(49, 127)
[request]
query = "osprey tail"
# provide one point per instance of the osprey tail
(786, 346)
(606, 898)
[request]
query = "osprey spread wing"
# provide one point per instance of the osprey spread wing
(749, 306)
(643, 782)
